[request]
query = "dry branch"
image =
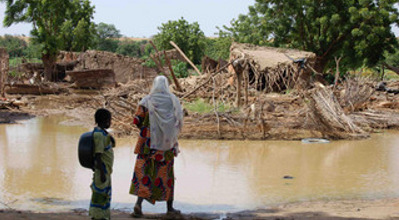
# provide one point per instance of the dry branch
(185, 57)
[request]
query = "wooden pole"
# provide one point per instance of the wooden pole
(4, 65)
(178, 87)
(185, 57)
(158, 65)
(157, 51)
(337, 73)
(239, 84)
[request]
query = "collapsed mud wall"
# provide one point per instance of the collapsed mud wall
(125, 68)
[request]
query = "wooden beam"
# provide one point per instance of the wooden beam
(394, 69)
(177, 84)
(185, 57)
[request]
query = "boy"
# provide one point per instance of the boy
(103, 162)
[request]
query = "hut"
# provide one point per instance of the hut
(269, 69)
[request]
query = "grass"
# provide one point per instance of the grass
(15, 61)
(368, 72)
(201, 106)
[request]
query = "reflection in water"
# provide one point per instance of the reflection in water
(39, 170)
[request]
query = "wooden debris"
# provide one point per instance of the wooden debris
(329, 117)
(185, 57)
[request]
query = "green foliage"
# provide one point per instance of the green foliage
(201, 106)
(78, 31)
(133, 48)
(18, 47)
(129, 49)
(218, 48)
(189, 37)
(15, 45)
(109, 45)
(392, 58)
(360, 31)
(13, 62)
(33, 51)
(180, 69)
(106, 37)
(148, 62)
(105, 31)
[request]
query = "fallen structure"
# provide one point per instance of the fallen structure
(125, 68)
(92, 78)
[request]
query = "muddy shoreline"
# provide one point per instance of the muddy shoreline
(285, 117)
(315, 210)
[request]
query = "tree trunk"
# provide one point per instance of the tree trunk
(320, 64)
(49, 62)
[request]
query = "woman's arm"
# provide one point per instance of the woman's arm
(139, 116)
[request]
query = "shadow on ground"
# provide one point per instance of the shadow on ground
(11, 117)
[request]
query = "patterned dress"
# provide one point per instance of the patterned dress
(153, 177)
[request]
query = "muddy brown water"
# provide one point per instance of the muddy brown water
(39, 171)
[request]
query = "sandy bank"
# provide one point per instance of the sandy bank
(317, 210)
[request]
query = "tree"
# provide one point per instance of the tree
(132, 48)
(392, 58)
(52, 24)
(15, 45)
(357, 30)
(107, 37)
(79, 31)
(107, 31)
(189, 37)
(218, 48)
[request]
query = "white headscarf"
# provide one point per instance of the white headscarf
(166, 115)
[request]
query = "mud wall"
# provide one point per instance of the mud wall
(125, 68)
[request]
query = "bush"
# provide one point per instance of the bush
(133, 48)
(109, 45)
(15, 45)
(180, 69)
(218, 48)
(189, 37)
(201, 106)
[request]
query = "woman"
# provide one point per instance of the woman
(160, 119)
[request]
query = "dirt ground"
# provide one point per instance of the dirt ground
(318, 210)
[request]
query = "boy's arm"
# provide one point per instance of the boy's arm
(100, 166)
(112, 141)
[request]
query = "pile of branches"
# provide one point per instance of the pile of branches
(123, 102)
(328, 116)
(356, 94)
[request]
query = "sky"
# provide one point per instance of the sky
(140, 18)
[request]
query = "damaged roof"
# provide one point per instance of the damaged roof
(268, 57)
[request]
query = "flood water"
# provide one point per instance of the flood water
(39, 170)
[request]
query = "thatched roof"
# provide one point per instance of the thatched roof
(268, 57)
